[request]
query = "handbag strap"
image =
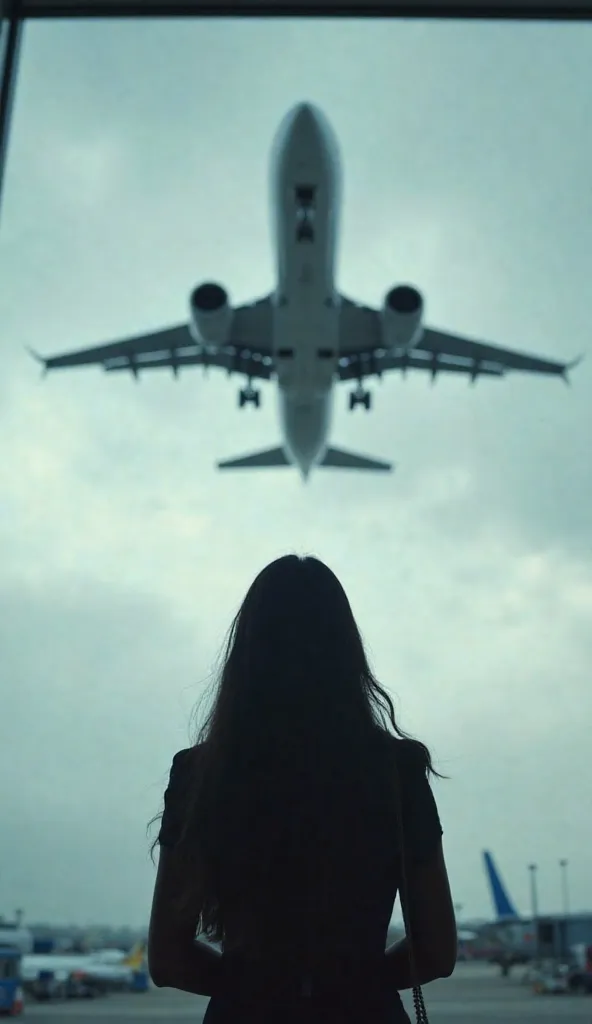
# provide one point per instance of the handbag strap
(421, 1015)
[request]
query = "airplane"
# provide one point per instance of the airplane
(305, 334)
(504, 907)
(514, 934)
(110, 967)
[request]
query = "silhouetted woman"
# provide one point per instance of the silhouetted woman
(279, 836)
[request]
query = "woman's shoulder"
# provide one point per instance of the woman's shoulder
(410, 755)
(183, 758)
(183, 764)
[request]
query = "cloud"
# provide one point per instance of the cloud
(125, 553)
(99, 681)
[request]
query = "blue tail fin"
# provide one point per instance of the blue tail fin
(504, 907)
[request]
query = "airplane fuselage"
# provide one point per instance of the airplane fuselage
(305, 333)
(305, 194)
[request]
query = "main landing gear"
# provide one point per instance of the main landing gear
(248, 396)
(360, 397)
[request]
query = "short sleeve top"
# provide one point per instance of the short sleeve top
(367, 913)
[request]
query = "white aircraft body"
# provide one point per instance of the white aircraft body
(107, 966)
(305, 334)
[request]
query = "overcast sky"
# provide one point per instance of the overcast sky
(138, 168)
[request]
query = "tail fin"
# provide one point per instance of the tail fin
(136, 956)
(504, 907)
(336, 458)
(268, 457)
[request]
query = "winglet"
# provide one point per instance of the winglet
(570, 366)
(39, 359)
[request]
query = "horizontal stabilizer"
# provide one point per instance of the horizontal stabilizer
(338, 459)
(268, 457)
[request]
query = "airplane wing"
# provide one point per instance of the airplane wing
(439, 344)
(359, 327)
(247, 350)
(362, 352)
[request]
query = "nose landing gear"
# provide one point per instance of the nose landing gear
(248, 396)
(360, 397)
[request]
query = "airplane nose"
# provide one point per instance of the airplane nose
(305, 117)
(304, 110)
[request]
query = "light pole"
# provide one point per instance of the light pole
(564, 891)
(535, 908)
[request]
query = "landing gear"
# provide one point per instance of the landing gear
(249, 395)
(360, 397)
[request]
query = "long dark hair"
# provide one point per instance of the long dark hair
(289, 755)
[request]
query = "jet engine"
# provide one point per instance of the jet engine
(211, 314)
(401, 317)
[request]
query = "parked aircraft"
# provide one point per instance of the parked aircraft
(306, 335)
(110, 967)
(513, 934)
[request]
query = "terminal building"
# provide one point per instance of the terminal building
(557, 935)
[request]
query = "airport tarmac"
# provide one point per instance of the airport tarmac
(474, 993)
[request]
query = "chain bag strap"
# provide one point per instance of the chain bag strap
(421, 1015)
